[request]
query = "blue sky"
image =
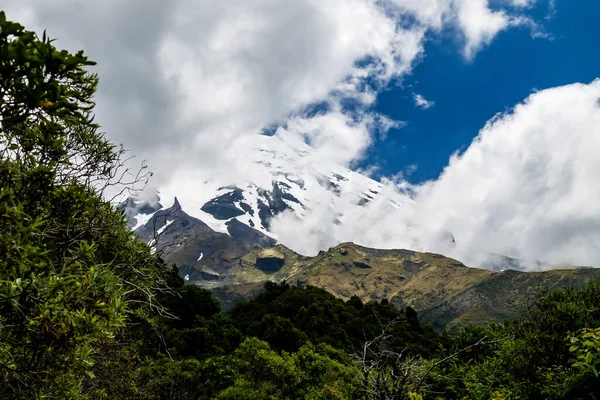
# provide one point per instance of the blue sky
(469, 93)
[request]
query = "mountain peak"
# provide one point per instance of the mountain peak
(176, 206)
(277, 201)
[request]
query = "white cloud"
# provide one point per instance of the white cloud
(479, 23)
(325, 132)
(180, 81)
(527, 187)
(475, 19)
(422, 102)
(523, 3)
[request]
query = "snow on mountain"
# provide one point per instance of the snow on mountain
(284, 181)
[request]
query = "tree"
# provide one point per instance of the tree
(386, 371)
(537, 362)
(71, 275)
(261, 373)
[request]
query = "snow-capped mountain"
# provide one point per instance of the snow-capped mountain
(207, 228)
(284, 180)
(192, 228)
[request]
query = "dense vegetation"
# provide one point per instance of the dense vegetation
(88, 311)
(71, 276)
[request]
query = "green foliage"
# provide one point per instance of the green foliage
(586, 346)
(262, 373)
(162, 378)
(198, 329)
(496, 362)
(48, 132)
(533, 360)
(71, 275)
(287, 317)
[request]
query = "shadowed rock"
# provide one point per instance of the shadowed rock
(248, 235)
(270, 260)
(224, 207)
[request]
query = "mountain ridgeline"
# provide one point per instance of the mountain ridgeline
(237, 263)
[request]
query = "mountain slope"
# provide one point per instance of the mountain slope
(273, 185)
(280, 178)
(445, 292)
(202, 255)
(223, 235)
(236, 264)
(208, 229)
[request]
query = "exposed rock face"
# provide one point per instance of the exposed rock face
(224, 207)
(169, 227)
(202, 254)
(132, 207)
(248, 235)
(329, 184)
(286, 181)
(270, 260)
(269, 202)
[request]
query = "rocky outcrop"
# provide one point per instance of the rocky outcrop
(248, 235)
(270, 260)
(224, 207)
(132, 207)
(202, 255)
(361, 264)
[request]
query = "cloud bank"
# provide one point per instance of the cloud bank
(181, 81)
(527, 187)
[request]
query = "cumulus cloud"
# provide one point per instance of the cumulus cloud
(527, 187)
(422, 102)
(476, 21)
(181, 81)
(480, 24)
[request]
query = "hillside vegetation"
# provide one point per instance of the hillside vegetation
(88, 311)
(445, 292)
